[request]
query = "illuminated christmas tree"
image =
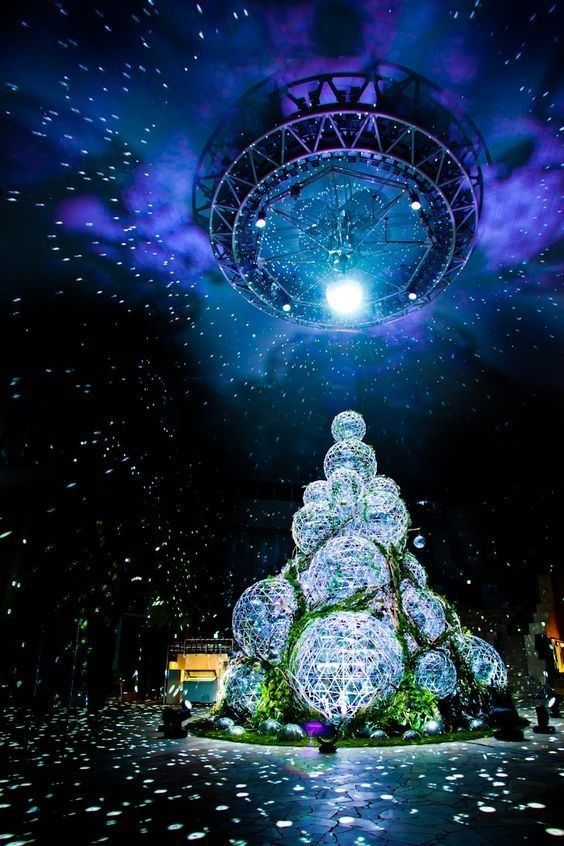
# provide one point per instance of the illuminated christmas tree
(350, 631)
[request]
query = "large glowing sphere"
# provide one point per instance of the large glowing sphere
(342, 567)
(242, 687)
(343, 662)
(485, 662)
(414, 570)
(424, 610)
(311, 525)
(262, 618)
(351, 454)
(435, 671)
(318, 491)
(386, 519)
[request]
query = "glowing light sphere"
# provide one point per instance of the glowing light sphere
(348, 425)
(343, 662)
(262, 618)
(345, 297)
(419, 542)
(351, 454)
(242, 687)
(345, 487)
(424, 610)
(382, 484)
(485, 662)
(435, 671)
(414, 569)
(318, 491)
(311, 525)
(386, 519)
(341, 568)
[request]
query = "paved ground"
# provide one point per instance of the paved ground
(112, 779)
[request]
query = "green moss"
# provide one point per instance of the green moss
(201, 729)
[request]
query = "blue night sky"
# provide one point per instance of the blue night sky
(105, 110)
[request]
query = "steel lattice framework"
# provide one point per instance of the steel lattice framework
(331, 164)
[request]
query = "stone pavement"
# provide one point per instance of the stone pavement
(113, 779)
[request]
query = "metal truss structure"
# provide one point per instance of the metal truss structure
(370, 176)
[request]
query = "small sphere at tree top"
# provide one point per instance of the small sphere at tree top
(348, 425)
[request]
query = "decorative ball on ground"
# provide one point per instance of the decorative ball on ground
(414, 570)
(477, 724)
(348, 425)
(318, 491)
(224, 723)
(291, 731)
(262, 618)
(351, 455)
(341, 568)
(424, 610)
(419, 542)
(485, 662)
(365, 730)
(270, 726)
(435, 672)
(378, 734)
(433, 727)
(311, 525)
(410, 734)
(242, 687)
(344, 662)
(236, 731)
(387, 526)
(345, 487)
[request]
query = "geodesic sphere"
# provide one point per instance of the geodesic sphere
(345, 487)
(343, 662)
(351, 455)
(262, 618)
(485, 662)
(242, 687)
(435, 672)
(342, 567)
(424, 610)
(318, 491)
(311, 525)
(414, 569)
(386, 525)
(348, 425)
(382, 484)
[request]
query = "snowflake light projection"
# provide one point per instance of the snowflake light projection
(319, 491)
(348, 425)
(424, 610)
(242, 687)
(343, 662)
(414, 569)
(262, 618)
(435, 671)
(484, 660)
(353, 455)
(311, 525)
(341, 568)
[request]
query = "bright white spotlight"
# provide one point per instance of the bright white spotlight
(345, 297)
(415, 202)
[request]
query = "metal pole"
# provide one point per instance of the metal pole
(71, 692)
